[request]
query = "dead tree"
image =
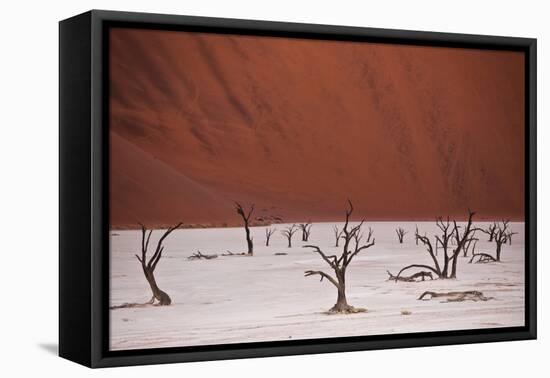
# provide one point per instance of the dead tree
(490, 231)
(339, 264)
(412, 278)
(464, 246)
(400, 234)
(289, 233)
(148, 265)
(306, 230)
(246, 220)
(416, 234)
(229, 253)
(500, 237)
(448, 230)
(455, 238)
(199, 255)
(337, 235)
(482, 258)
(455, 296)
(509, 236)
(461, 240)
(268, 233)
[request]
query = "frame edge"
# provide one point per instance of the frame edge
(96, 355)
(74, 190)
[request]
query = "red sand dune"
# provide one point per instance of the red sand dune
(296, 127)
(149, 188)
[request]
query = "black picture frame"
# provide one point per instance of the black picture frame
(84, 200)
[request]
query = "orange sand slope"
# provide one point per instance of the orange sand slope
(297, 126)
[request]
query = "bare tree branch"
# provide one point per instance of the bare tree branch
(337, 234)
(322, 274)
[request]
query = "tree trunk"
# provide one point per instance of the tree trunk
(341, 301)
(249, 240)
(499, 247)
(445, 270)
(159, 295)
(453, 267)
(246, 219)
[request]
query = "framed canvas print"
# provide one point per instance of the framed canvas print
(233, 188)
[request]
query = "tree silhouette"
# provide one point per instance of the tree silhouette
(148, 265)
(268, 233)
(400, 234)
(289, 233)
(306, 230)
(246, 221)
(448, 230)
(352, 237)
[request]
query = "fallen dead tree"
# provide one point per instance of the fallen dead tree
(229, 253)
(455, 296)
(199, 255)
(420, 276)
(351, 237)
(482, 258)
(130, 305)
